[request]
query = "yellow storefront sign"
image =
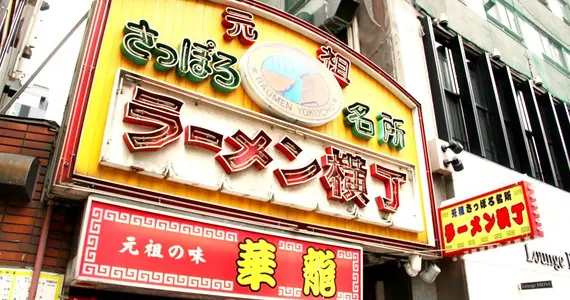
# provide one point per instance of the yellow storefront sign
(497, 217)
(361, 112)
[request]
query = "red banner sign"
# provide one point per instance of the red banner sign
(133, 247)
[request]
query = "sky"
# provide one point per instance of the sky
(51, 27)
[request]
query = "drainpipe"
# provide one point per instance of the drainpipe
(41, 251)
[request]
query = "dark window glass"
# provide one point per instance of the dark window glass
(514, 148)
(530, 138)
(456, 119)
(447, 69)
(452, 100)
(483, 115)
(534, 157)
(543, 106)
(509, 125)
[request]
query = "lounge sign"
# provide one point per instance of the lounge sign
(129, 246)
(536, 285)
(557, 262)
(496, 217)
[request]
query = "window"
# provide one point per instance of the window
(552, 50)
(506, 17)
(452, 98)
(324, 14)
(509, 127)
(561, 9)
(529, 136)
(456, 120)
(497, 98)
(483, 115)
(545, 2)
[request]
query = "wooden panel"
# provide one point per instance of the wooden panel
(201, 20)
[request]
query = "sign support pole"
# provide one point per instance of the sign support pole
(23, 88)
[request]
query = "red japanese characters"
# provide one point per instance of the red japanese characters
(154, 110)
(239, 23)
(249, 152)
(502, 216)
(344, 177)
(392, 182)
(290, 177)
(344, 174)
(336, 63)
(205, 138)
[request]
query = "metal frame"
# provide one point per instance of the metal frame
(558, 143)
(545, 159)
(437, 89)
(466, 96)
(494, 107)
(517, 126)
(563, 113)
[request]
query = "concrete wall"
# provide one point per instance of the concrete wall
(468, 19)
(543, 18)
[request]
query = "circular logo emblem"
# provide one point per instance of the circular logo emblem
(291, 84)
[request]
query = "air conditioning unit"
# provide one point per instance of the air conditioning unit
(335, 16)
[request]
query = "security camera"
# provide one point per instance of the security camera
(455, 163)
(443, 20)
(453, 146)
(496, 54)
(538, 81)
(430, 274)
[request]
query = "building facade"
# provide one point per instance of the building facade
(499, 77)
(248, 128)
(293, 150)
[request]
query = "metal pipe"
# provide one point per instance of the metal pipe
(40, 68)
(41, 251)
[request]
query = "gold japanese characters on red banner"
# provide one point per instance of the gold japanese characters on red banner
(135, 247)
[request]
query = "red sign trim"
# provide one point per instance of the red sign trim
(64, 174)
(92, 226)
(530, 202)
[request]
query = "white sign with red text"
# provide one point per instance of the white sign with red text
(166, 132)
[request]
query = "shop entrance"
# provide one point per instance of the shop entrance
(86, 294)
(387, 281)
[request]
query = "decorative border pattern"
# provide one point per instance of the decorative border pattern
(290, 246)
(143, 276)
(152, 223)
(157, 277)
(287, 291)
(346, 296)
(355, 257)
